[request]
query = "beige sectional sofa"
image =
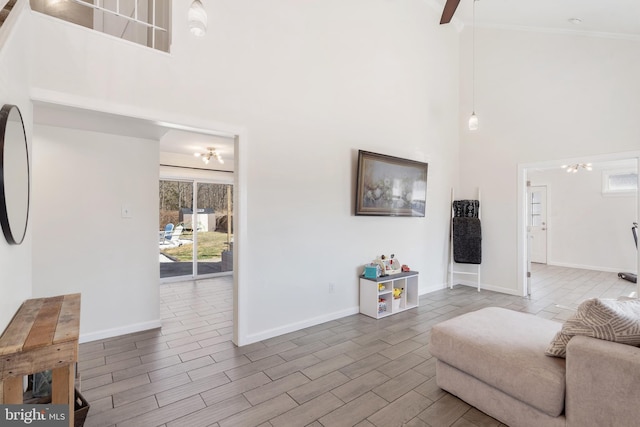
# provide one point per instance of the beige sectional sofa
(494, 359)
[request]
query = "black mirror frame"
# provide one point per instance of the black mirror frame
(4, 214)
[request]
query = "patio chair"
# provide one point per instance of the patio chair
(168, 231)
(174, 239)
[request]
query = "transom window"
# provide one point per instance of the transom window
(619, 181)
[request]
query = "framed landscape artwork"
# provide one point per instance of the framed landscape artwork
(390, 186)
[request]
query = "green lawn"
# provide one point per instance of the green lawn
(210, 246)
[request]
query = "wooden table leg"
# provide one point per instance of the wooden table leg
(12, 391)
(62, 388)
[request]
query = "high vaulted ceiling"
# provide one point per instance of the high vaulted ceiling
(615, 18)
(606, 18)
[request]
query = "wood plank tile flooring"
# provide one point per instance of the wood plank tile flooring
(355, 371)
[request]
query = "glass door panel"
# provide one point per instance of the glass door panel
(175, 234)
(214, 228)
(537, 223)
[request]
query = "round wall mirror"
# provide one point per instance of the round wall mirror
(14, 175)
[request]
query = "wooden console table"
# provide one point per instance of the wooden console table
(42, 335)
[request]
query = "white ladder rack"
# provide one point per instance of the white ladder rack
(451, 261)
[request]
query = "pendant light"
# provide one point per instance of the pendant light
(473, 120)
(197, 18)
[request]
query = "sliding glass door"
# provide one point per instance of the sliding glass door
(195, 234)
(215, 237)
(175, 236)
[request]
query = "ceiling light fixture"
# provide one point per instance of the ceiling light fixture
(211, 152)
(574, 167)
(197, 18)
(473, 120)
(575, 21)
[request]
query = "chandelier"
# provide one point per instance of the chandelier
(574, 167)
(211, 153)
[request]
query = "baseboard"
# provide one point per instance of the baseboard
(487, 287)
(270, 333)
(116, 332)
(588, 267)
(471, 284)
(432, 288)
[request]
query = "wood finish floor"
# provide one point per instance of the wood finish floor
(355, 371)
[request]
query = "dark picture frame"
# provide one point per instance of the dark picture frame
(390, 186)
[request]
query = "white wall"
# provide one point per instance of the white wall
(81, 242)
(312, 82)
(15, 261)
(586, 229)
(539, 97)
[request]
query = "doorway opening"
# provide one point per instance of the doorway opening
(76, 113)
(585, 226)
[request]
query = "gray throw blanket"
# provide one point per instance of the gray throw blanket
(467, 240)
(468, 208)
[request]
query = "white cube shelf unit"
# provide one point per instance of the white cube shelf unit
(378, 302)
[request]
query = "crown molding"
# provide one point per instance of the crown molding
(561, 31)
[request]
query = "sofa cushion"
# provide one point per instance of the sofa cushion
(505, 349)
(606, 319)
(492, 401)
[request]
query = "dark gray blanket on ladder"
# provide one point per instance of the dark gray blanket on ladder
(468, 208)
(467, 240)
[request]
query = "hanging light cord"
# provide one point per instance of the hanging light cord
(473, 60)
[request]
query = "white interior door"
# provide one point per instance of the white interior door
(537, 223)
